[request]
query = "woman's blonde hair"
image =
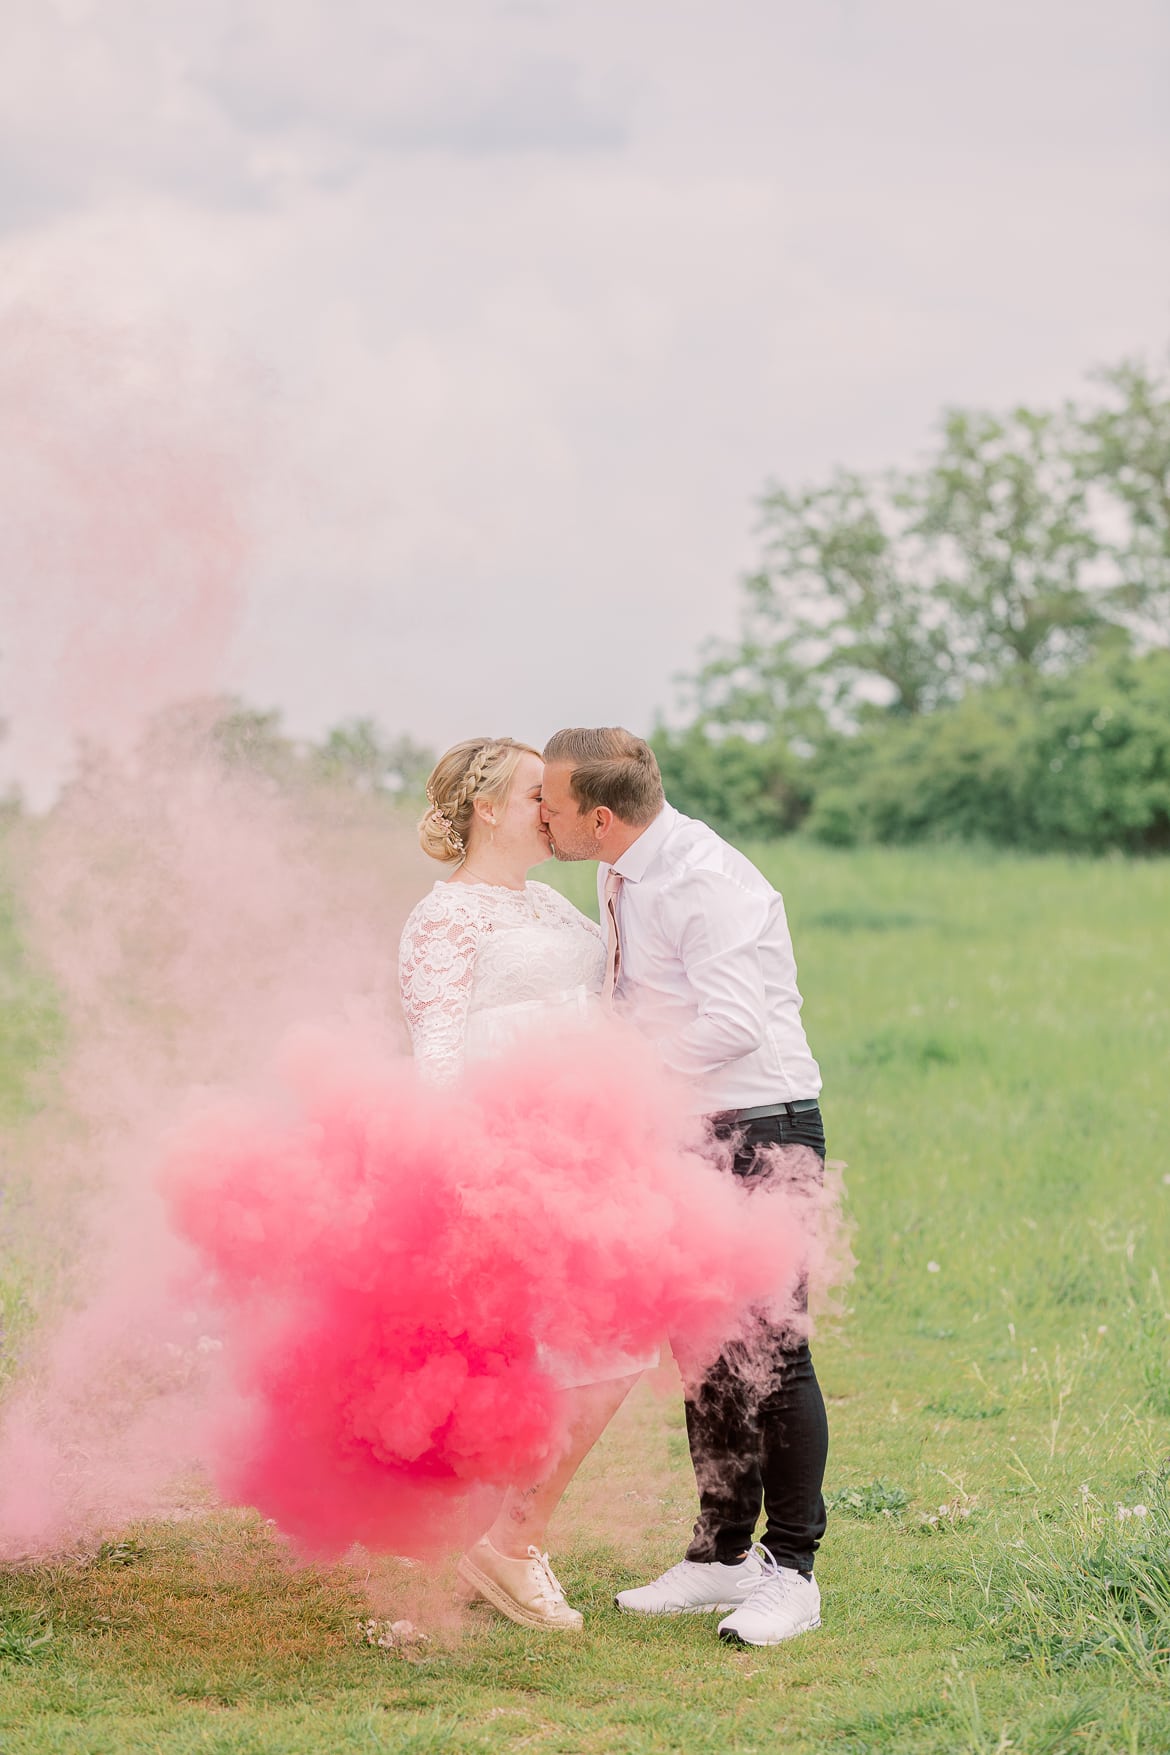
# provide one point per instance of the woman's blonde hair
(481, 767)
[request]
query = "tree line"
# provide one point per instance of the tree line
(975, 647)
(356, 753)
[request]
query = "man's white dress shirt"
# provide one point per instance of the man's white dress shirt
(707, 967)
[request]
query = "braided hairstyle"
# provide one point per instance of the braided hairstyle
(481, 767)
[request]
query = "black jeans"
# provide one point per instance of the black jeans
(756, 1424)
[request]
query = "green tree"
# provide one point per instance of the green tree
(839, 618)
(359, 754)
(913, 645)
(748, 791)
(1125, 456)
(1013, 548)
(1080, 761)
(246, 737)
(1023, 545)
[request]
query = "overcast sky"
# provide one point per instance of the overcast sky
(537, 295)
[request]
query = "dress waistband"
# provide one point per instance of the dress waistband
(578, 997)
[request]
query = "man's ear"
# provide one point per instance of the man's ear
(602, 822)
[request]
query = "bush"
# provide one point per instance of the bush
(745, 790)
(1079, 763)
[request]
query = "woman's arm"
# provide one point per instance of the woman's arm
(436, 968)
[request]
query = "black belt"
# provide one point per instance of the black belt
(799, 1106)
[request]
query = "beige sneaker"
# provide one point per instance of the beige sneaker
(526, 1590)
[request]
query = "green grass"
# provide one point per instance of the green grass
(993, 1034)
(30, 1024)
(30, 1035)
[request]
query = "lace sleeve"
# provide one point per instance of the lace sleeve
(560, 908)
(436, 967)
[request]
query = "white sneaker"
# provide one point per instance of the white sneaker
(694, 1587)
(780, 1604)
(527, 1591)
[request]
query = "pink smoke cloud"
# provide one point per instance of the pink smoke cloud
(189, 917)
(341, 1305)
(390, 1263)
(126, 469)
(186, 914)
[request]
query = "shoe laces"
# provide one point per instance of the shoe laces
(769, 1588)
(554, 1590)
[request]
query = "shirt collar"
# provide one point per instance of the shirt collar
(640, 854)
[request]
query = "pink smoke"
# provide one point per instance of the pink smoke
(126, 470)
(390, 1261)
(185, 914)
(338, 1307)
(189, 917)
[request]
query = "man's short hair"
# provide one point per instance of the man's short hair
(612, 768)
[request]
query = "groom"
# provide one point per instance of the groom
(700, 960)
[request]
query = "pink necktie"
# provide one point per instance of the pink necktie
(613, 958)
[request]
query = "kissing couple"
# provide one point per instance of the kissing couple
(694, 953)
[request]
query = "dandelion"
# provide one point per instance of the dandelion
(388, 1634)
(946, 1517)
(932, 1267)
(1102, 1328)
(378, 1633)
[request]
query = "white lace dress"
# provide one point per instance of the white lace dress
(480, 966)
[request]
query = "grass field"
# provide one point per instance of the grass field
(994, 1038)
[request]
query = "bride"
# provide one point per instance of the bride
(485, 958)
